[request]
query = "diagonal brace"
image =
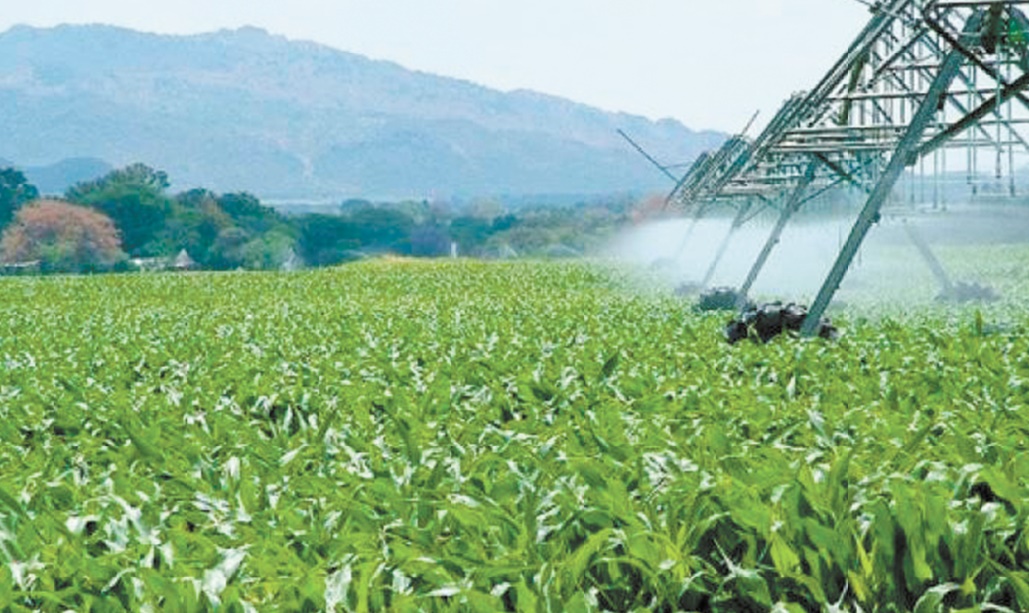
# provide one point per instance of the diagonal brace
(905, 154)
(784, 217)
(737, 223)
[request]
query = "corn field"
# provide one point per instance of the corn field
(437, 436)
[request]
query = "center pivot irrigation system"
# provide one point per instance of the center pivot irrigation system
(924, 77)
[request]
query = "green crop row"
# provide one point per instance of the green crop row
(399, 435)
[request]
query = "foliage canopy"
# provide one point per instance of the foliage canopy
(62, 237)
(15, 191)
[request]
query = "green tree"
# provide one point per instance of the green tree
(193, 224)
(134, 197)
(381, 228)
(470, 232)
(15, 191)
(504, 223)
(326, 239)
(248, 213)
(268, 251)
(227, 251)
(429, 240)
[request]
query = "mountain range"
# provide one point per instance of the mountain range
(246, 110)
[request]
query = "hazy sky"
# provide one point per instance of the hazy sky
(708, 63)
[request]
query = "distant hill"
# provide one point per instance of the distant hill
(56, 178)
(246, 110)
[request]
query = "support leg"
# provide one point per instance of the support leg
(902, 157)
(737, 223)
(946, 285)
(698, 214)
(788, 210)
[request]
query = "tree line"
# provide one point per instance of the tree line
(129, 216)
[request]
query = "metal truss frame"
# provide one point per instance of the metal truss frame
(923, 76)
